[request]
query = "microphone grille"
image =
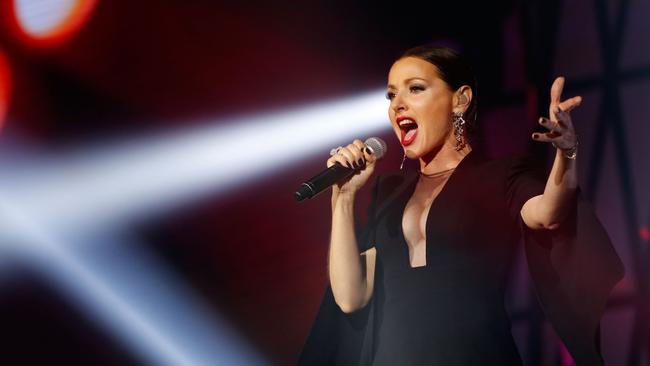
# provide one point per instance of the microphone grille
(377, 146)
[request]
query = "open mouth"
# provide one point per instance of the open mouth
(409, 130)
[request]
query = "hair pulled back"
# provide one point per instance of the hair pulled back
(454, 70)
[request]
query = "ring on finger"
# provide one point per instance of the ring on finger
(335, 150)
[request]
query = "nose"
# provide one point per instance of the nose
(398, 104)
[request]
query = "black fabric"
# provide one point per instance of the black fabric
(451, 311)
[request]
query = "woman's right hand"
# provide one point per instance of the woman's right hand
(354, 156)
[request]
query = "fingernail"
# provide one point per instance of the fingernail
(535, 137)
(360, 162)
(541, 120)
(368, 150)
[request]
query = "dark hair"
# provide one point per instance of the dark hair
(455, 71)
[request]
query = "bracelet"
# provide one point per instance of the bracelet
(570, 153)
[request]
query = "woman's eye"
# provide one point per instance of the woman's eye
(416, 88)
(390, 95)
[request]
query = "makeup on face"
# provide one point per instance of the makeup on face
(420, 105)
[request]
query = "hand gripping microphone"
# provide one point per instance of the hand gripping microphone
(336, 172)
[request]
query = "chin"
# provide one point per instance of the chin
(411, 154)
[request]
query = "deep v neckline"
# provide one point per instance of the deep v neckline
(430, 208)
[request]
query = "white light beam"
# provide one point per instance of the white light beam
(114, 185)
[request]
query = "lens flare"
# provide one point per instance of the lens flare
(49, 22)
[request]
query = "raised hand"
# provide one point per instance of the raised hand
(561, 131)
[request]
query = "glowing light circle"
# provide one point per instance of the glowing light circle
(50, 21)
(644, 233)
(5, 87)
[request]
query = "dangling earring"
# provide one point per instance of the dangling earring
(403, 159)
(458, 122)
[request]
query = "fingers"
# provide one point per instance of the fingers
(559, 122)
(559, 141)
(352, 156)
(545, 137)
(348, 156)
(570, 103)
(556, 90)
(551, 125)
(357, 147)
(560, 116)
(557, 130)
(341, 157)
(555, 126)
(368, 156)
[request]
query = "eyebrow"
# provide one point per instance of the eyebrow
(407, 80)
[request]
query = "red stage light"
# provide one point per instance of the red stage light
(47, 22)
(5, 87)
(644, 233)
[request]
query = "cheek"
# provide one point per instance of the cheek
(437, 108)
(437, 116)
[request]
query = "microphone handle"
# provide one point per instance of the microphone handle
(322, 181)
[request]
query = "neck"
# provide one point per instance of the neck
(443, 158)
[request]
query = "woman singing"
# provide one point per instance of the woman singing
(424, 283)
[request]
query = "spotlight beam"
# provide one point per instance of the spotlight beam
(130, 294)
(111, 186)
(66, 201)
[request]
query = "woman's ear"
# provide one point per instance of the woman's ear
(464, 98)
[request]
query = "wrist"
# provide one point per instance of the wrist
(568, 153)
(343, 196)
(343, 199)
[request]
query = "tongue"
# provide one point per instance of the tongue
(409, 134)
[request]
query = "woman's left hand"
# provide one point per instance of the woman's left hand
(562, 134)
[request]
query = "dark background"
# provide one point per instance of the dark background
(138, 67)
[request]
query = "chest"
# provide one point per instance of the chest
(453, 225)
(416, 212)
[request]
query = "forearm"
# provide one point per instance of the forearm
(346, 273)
(548, 210)
(554, 204)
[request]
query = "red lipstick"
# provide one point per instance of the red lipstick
(409, 130)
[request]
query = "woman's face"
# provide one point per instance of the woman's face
(420, 107)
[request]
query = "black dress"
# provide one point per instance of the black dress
(451, 311)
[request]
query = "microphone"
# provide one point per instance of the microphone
(336, 172)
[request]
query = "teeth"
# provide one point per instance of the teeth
(406, 122)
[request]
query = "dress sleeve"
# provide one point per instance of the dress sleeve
(573, 268)
(337, 338)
